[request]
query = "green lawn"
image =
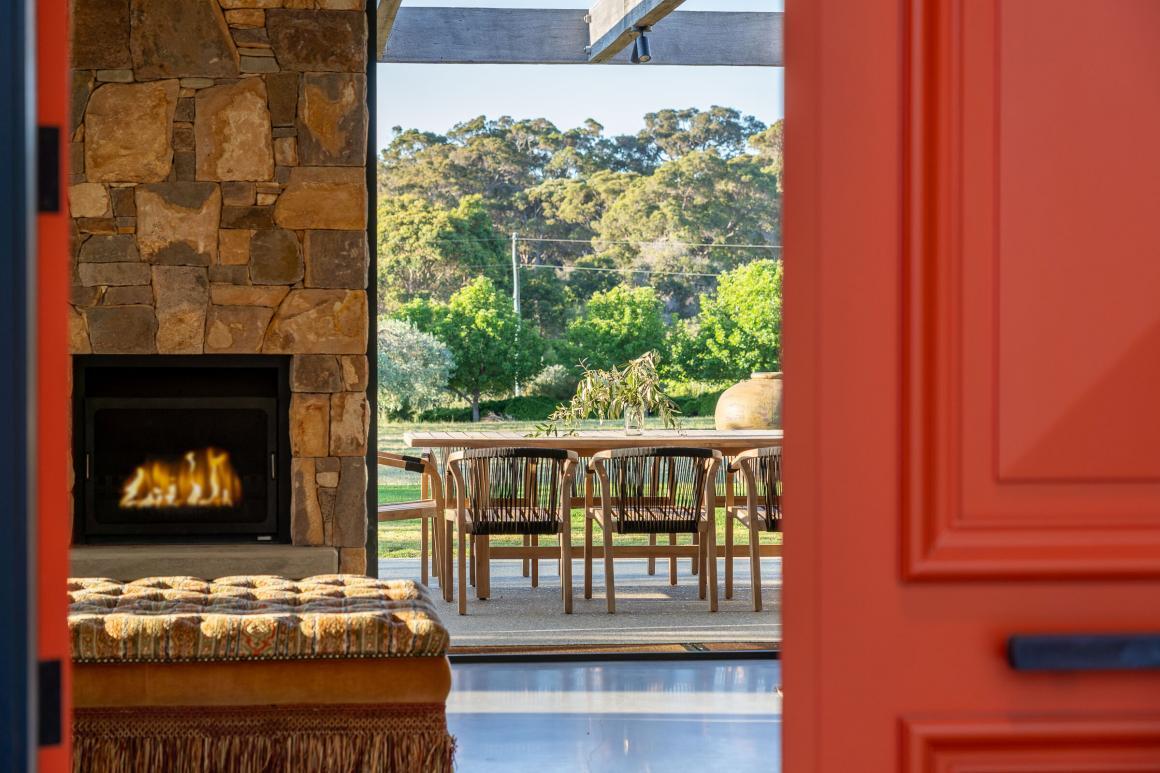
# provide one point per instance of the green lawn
(401, 539)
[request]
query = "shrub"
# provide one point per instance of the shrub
(516, 408)
(555, 382)
(413, 369)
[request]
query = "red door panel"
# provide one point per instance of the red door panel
(1032, 351)
(1129, 745)
(972, 338)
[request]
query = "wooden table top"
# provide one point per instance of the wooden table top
(586, 442)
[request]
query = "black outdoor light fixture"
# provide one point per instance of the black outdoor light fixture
(641, 53)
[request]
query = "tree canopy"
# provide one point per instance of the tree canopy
(490, 346)
(636, 201)
(666, 240)
(427, 250)
(738, 330)
(617, 325)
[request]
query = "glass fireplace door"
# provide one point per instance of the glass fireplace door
(180, 467)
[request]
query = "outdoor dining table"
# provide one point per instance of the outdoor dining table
(586, 443)
(591, 441)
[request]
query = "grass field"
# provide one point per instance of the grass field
(401, 539)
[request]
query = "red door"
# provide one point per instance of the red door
(973, 347)
(51, 302)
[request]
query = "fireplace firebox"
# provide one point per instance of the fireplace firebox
(181, 448)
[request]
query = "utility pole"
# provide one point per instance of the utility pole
(515, 273)
(516, 288)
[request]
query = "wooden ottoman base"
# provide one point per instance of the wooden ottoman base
(258, 674)
(384, 715)
(345, 738)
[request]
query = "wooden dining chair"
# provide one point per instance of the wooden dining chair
(655, 491)
(521, 492)
(758, 511)
(427, 509)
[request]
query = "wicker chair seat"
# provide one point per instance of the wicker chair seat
(518, 520)
(654, 519)
(764, 521)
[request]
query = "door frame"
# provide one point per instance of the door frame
(17, 389)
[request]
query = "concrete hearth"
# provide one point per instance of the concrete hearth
(129, 562)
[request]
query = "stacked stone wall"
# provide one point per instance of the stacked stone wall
(219, 206)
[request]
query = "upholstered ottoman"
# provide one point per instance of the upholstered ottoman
(330, 673)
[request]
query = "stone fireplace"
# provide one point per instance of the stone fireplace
(219, 207)
(175, 448)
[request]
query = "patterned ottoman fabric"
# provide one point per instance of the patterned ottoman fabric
(184, 619)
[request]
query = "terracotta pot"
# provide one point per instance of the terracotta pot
(751, 404)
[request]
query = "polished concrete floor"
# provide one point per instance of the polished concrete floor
(648, 608)
(672, 716)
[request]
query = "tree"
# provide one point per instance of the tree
(738, 330)
(679, 222)
(769, 146)
(545, 300)
(413, 368)
(492, 348)
(676, 133)
(428, 250)
(618, 325)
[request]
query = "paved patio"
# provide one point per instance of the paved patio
(648, 609)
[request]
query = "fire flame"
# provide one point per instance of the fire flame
(202, 478)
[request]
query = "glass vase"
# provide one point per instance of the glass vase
(633, 420)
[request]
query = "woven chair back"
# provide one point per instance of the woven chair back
(658, 490)
(767, 480)
(513, 490)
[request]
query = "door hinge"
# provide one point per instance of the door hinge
(50, 719)
(48, 169)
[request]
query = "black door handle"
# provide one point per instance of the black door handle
(1102, 652)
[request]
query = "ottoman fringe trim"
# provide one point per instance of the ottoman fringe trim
(263, 739)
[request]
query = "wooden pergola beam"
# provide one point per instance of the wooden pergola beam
(385, 21)
(453, 35)
(612, 24)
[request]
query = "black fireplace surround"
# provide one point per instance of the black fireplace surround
(181, 448)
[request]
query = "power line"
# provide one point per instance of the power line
(660, 242)
(655, 242)
(619, 270)
(484, 266)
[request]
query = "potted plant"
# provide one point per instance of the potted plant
(631, 392)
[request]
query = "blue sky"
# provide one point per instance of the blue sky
(434, 97)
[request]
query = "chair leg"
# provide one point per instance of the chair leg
(695, 564)
(609, 579)
(755, 565)
(672, 561)
(527, 542)
(423, 576)
(471, 560)
(587, 557)
(700, 564)
(711, 562)
(436, 549)
(728, 555)
(535, 562)
(483, 567)
(566, 566)
(463, 540)
(448, 561)
(652, 561)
